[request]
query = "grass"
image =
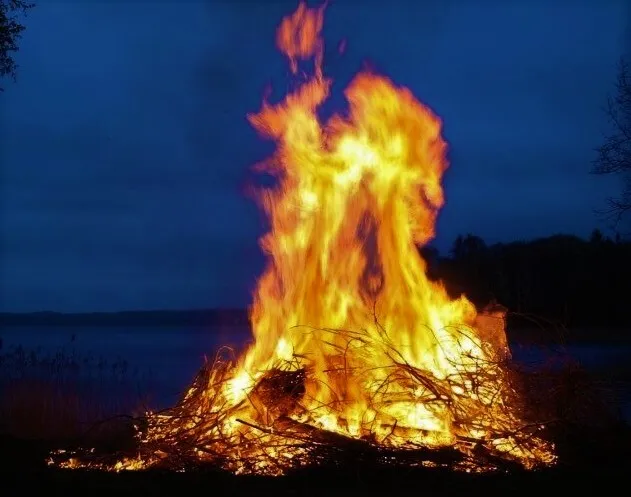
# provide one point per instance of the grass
(50, 396)
(573, 407)
(60, 395)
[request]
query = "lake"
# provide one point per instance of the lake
(167, 358)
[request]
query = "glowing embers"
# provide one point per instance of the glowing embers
(354, 346)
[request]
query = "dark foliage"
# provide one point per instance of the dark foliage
(561, 280)
(64, 395)
(614, 155)
(10, 32)
(591, 443)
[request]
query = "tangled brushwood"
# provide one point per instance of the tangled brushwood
(272, 431)
(426, 383)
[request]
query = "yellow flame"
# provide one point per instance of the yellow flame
(385, 354)
(356, 196)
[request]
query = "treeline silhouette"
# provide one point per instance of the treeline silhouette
(559, 280)
(560, 283)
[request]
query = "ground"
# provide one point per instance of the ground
(598, 464)
(592, 443)
(601, 481)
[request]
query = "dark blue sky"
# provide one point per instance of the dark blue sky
(125, 146)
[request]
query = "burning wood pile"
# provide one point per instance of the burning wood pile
(356, 352)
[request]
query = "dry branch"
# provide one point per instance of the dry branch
(282, 435)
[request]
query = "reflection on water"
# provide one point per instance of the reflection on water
(170, 357)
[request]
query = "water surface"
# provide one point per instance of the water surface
(168, 357)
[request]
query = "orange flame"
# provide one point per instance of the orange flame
(355, 198)
(345, 297)
(298, 36)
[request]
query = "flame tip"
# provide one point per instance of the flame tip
(351, 336)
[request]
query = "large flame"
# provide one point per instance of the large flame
(356, 198)
(351, 338)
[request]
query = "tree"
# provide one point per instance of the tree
(614, 155)
(10, 32)
(596, 237)
(468, 247)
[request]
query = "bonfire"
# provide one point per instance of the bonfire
(355, 350)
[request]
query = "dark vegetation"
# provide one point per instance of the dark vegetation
(11, 30)
(614, 155)
(561, 283)
(592, 445)
(60, 395)
(560, 288)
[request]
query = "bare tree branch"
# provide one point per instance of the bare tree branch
(614, 155)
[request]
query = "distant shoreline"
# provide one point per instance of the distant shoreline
(518, 331)
(195, 317)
